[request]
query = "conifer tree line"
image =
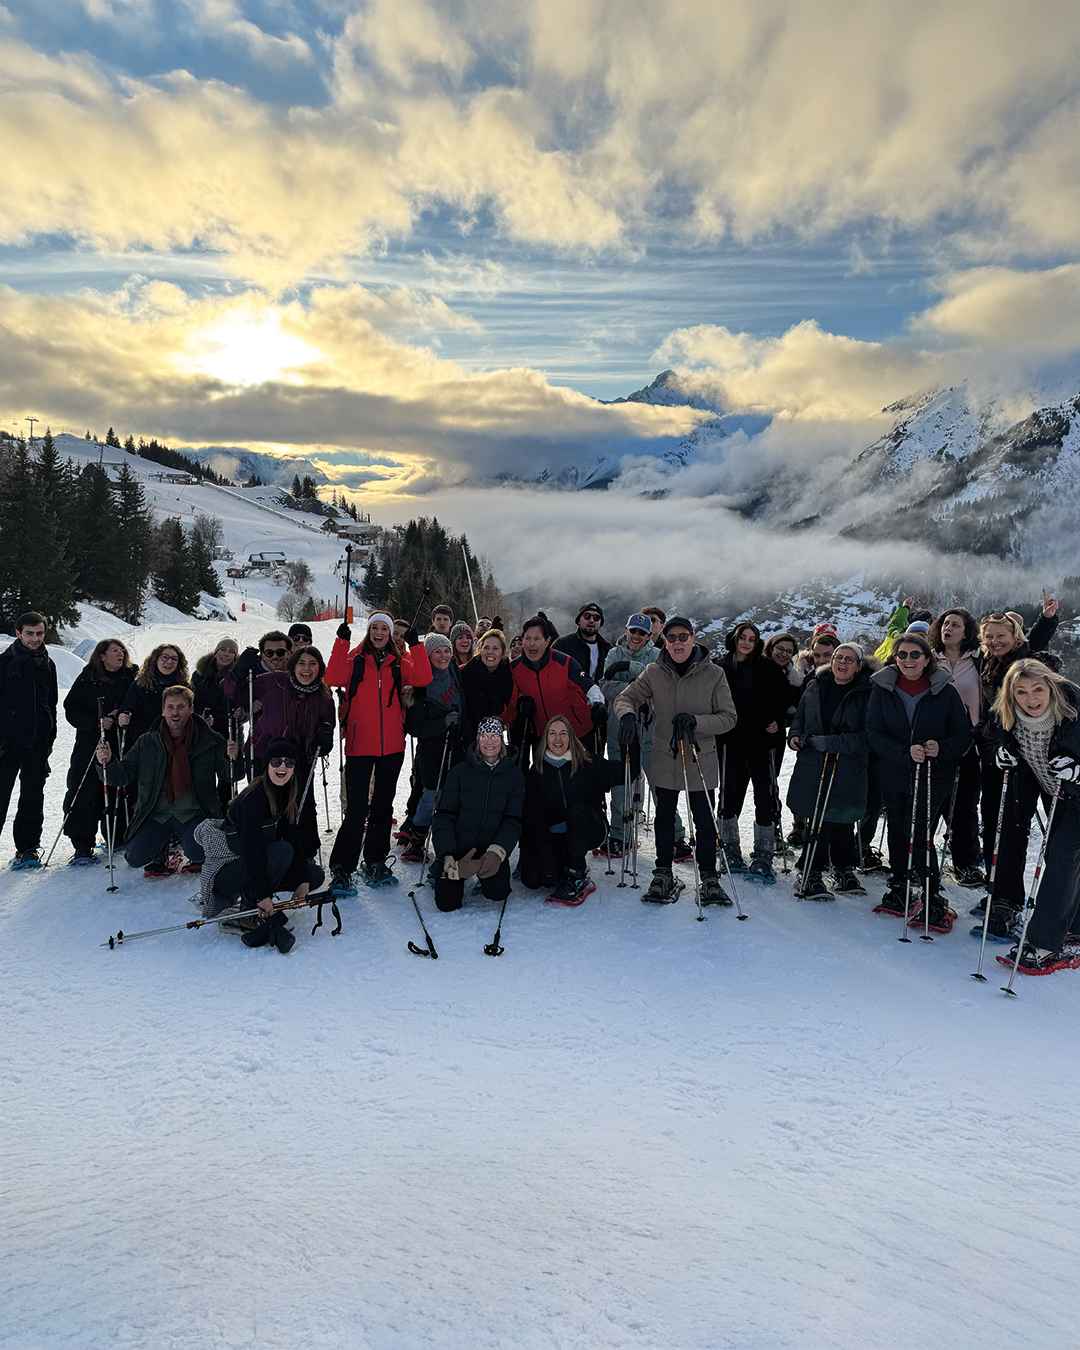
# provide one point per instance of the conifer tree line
(157, 453)
(69, 534)
(422, 555)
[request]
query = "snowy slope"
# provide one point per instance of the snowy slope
(631, 1130)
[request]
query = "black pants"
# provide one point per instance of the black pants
(547, 857)
(285, 869)
(1058, 903)
(450, 894)
(898, 827)
(835, 848)
(151, 839)
(84, 802)
(747, 762)
(1015, 829)
(31, 768)
(965, 845)
(704, 828)
(359, 770)
(868, 826)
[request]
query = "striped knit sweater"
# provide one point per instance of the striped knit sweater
(1033, 735)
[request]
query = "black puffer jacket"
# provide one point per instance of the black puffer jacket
(553, 795)
(81, 708)
(479, 805)
(28, 697)
(939, 716)
(487, 692)
(250, 826)
(845, 736)
(762, 695)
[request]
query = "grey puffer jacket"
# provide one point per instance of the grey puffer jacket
(702, 691)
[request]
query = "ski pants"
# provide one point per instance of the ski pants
(704, 828)
(1015, 829)
(868, 826)
(285, 869)
(31, 767)
(84, 803)
(1058, 904)
(547, 856)
(429, 760)
(744, 762)
(898, 827)
(151, 839)
(835, 848)
(638, 788)
(964, 841)
(361, 771)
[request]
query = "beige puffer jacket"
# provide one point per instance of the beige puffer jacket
(702, 691)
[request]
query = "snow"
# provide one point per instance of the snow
(68, 665)
(631, 1130)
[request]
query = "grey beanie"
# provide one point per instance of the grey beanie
(434, 641)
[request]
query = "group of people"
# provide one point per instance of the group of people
(951, 719)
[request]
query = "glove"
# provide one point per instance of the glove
(1005, 759)
(598, 712)
(325, 742)
(467, 867)
(620, 668)
(526, 706)
(344, 632)
(412, 637)
(628, 732)
(682, 726)
(490, 863)
(1065, 769)
(813, 743)
(453, 719)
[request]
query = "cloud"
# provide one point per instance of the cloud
(1000, 307)
(223, 19)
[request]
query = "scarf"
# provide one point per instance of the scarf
(178, 762)
(1033, 734)
(557, 760)
(304, 690)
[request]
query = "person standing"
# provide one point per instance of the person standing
(587, 645)
(28, 699)
(547, 682)
(442, 619)
(690, 703)
(165, 667)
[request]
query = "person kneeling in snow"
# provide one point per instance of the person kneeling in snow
(259, 849)
(179, 769)
(478, 820)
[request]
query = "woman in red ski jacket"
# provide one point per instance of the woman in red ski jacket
(373, 677)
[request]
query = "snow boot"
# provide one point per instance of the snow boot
(265, 931)
(729, 842)
(978, 909)
(26, 861)
(663, 889)
(574, 889)
(845, 882)
(941, 917)
(761, 861)
(712, 893)
(377, 874)
(871, 861)
(1039, 961)
(894, 900)
(342, 884)
(284, 938)
(682, 852)
(970, 877)
(1004, 921)
(245, 925)
(797, 837)
(815, 889)
(84, 859)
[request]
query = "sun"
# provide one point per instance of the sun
(248, 348)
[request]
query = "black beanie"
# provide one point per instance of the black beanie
(282, 745)
(591, 605)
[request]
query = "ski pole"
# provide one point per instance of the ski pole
(312, 901)
(1033, 896)
(925, 934)
(633, 835)
(977, 974)
(71, 808)
(697, 865)
(429, 950)
(468, 574)
(910, 855)
(781, 843)
(326, 798)
(494, 947)
(740, 913)
(946, 847)
(817, 822)
(348, 581)
(251, 725)
(623, 864)
(420, 606)
(110, 813)
(123, 794)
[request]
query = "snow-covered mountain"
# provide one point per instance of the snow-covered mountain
(237, 463)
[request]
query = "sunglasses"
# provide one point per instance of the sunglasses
(282, 762)
(909, 656)
(590, 615)
(844, 661)
(677, 637)
(274, 652)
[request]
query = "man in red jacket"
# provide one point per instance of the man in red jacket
(373, 677)
(547, 682)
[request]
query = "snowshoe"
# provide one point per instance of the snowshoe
(871, 861)
(976, 931)
(712, 893)
(377, 874)
(574, 889)
(682, 853)
(82, 859)
(761, 871)
(1039, 961)
(405, 835)
(663, 889)
(815, 889)
(342, 885)
(970, 877)
(412, 852)
(26, 861)
(894, 902)
(845, 882)
(734, 856)
(941, 917)
(157, 870)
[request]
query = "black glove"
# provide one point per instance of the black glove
(682, 728)
(620, 668)
(526, 706)
(635, 761)
(598, 713)
(453, 719)
(324, 742)
(812, 743)
(412, 637)
(628, 731)
(344, 632)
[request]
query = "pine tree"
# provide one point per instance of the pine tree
(129, 445)
(111, 438)
(202, 562)
(369, 583)
(96, 567)
(296, 488)
(133, 527)
(173, 572)
(35, 572)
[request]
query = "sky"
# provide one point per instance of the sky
(417, 242)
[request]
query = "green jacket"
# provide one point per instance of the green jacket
(898, 622)
(146, 765)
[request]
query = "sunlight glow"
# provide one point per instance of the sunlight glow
(248, 348)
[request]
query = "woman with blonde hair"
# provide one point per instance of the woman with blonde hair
(564, 812)
(1035, 732)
